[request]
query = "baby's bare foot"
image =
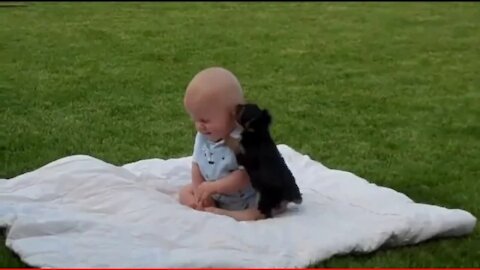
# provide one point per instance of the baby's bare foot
(215, 210)
(240, 215)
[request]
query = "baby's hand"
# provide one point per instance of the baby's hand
(204, 192)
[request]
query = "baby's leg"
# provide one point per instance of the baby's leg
(187, 198)
(240, 215)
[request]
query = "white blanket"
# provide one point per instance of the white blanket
(80, 211)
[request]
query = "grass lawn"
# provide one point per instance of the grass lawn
(388, 91)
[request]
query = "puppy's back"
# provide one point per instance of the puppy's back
(279, 174)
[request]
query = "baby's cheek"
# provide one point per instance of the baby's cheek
(199, 126)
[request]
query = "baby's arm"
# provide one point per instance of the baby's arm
(233, 182)
(197, 181)
(197, 177)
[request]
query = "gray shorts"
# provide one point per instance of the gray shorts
(235, 203)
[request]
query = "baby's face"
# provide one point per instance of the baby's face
(213, 121)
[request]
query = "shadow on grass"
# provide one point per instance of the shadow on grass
(13, 257)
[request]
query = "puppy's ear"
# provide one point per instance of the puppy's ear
(266, 117)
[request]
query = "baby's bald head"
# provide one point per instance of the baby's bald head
(214, 85)
(211, 98)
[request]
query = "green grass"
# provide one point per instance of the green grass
(388, 91)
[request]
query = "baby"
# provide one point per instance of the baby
(218, 185)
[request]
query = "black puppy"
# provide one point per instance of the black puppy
(258, 153)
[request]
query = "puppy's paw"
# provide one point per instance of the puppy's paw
(298, 201)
